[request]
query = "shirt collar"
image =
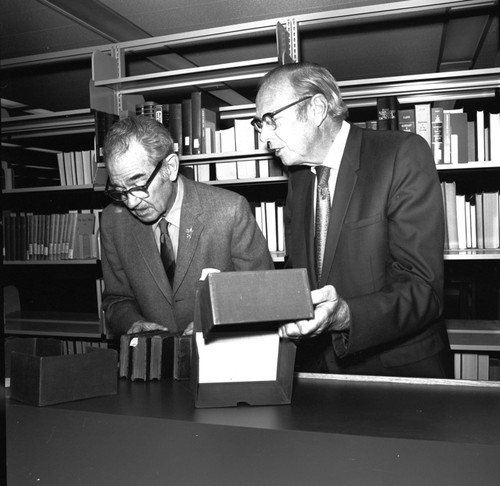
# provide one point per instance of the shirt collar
(174, 215)
(334, 155)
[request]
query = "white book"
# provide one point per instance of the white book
(226, 170)
(272, 230)
(495, 137)
(69, 169)
(87, 167)
(78, 161)
(244, 135)
(480, 135)
(260, 217)
(423, 121)
(60, 163)
(479, 221)
(461, 222)
(491, 224)
(280, 222)
(263, 168)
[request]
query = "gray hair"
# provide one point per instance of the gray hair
(148, 132)
(309, 79)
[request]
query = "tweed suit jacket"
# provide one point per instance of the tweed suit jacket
(384, 251)
(217, 230)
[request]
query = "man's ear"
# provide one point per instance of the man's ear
(172, 164)
(319, 107)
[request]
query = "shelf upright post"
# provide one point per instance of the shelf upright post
(119, 57)
(293, 33)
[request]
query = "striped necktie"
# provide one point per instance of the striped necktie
(322, 217)
(166, 250)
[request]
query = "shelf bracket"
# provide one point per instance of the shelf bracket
(293, 33)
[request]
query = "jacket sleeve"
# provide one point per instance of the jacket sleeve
(249, 249)
(119, 303)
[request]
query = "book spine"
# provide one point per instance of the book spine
(437, 134)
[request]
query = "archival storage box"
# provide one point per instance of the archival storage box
(238, 356)
(46, 378)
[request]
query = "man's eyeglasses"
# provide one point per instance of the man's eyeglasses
(268, 118)
(140, 192)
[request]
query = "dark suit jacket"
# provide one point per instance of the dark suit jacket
(217, 230)
(384, 249)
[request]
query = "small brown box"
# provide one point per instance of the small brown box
(49, 379)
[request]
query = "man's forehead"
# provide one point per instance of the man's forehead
(272, 96)
(131, 163)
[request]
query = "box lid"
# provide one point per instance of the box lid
(253, 300)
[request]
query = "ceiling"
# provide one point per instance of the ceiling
(351, 46)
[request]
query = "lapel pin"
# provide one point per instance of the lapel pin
(189, 233)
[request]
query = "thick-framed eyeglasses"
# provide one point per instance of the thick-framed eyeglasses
(140, 192)
(268, 118)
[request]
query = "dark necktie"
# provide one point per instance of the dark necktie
(322, 216)
(166, 250)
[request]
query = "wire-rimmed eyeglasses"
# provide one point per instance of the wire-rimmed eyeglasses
(268, 118)
(140, 192)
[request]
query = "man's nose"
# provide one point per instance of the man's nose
(132, 201)
(266, 134)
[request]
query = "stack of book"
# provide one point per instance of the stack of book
(155, 355)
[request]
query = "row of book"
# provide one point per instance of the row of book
(155, 355)
(270, 219)
(76, 168)
(471, 221)
(59, 236)
(233, 170)
(472, 366)
(80, 346)
(50, 169)
(454, 136)
(195, 126)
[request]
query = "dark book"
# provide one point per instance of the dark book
(187, 130)
(182, 357)
(406, 120)
(147, 355)
(199, 101)
(162, 356)
(175, 125)
(387, 113)
(103, 122)
(459, 129)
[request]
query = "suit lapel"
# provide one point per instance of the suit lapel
(302, 227)
(344, 188)
(191, 227)
(147, 249)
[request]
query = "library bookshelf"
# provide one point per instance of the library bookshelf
(118, 86)
(52, 287)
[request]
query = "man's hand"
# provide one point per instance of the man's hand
(331, 313)
(142, 326)
(189, 329)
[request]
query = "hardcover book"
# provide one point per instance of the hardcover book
(406, 120)
(387, 113)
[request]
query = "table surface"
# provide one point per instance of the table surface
(336, 431)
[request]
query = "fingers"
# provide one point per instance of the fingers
(189, 329)
(144, 326)
(323, 294)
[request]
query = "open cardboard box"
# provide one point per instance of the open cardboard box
(238, 356)
(49, 377)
